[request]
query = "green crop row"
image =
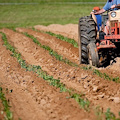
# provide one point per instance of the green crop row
(75, 44)
(61, 37)
(105, 76)
(51, 52)
(83, 102)
(102, 75)
(5, 103)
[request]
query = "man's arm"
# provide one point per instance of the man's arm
(117, 6)
(99, 12)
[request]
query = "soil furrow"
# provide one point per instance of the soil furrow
(97, 90)
(33, 98)
(61, 47)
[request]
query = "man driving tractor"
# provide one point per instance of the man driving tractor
(111, 4)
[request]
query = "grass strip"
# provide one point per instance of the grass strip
(51, 52)
(61, 37)
(9, 115)
(84, 103)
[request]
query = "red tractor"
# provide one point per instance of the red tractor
(95, 47)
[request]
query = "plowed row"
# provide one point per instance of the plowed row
(33, 98)
(35, 95)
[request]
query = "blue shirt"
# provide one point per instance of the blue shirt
(110, 3)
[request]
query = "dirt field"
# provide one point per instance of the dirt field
(33, 98)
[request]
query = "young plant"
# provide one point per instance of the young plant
(5, 103)
(71, 41)
(51, 52)
(84, 103)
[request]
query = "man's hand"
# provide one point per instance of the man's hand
(113, 6)
(92, 12)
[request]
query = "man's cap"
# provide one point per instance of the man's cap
(96, 8)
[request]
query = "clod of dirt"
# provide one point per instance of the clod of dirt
(95, 88)
(115, 99)
(115, 66)
(83, 76)
(101, 96)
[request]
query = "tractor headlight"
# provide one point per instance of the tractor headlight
(113, 14)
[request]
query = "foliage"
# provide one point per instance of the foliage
(83, 103)
(105, 76)
(9, 115)
(110, 116)
(71, 41)
(86, 67)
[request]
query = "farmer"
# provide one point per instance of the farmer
(111, 4)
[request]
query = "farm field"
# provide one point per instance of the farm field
(27, 56)
(40, 74)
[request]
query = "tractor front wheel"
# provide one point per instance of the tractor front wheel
(93, 57)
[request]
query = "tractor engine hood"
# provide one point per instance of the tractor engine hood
(114, 15)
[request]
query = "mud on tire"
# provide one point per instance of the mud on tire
(86, 34)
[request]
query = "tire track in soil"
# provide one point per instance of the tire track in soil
(71, 31)
(32, 97)
(57, 45)
(97, 90)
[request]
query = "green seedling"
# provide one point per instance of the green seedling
(84, 103)
(71, 41)
(38, 70)
(5, 103)
(51, 52)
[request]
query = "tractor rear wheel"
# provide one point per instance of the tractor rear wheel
(93, 57)
(86, 34)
